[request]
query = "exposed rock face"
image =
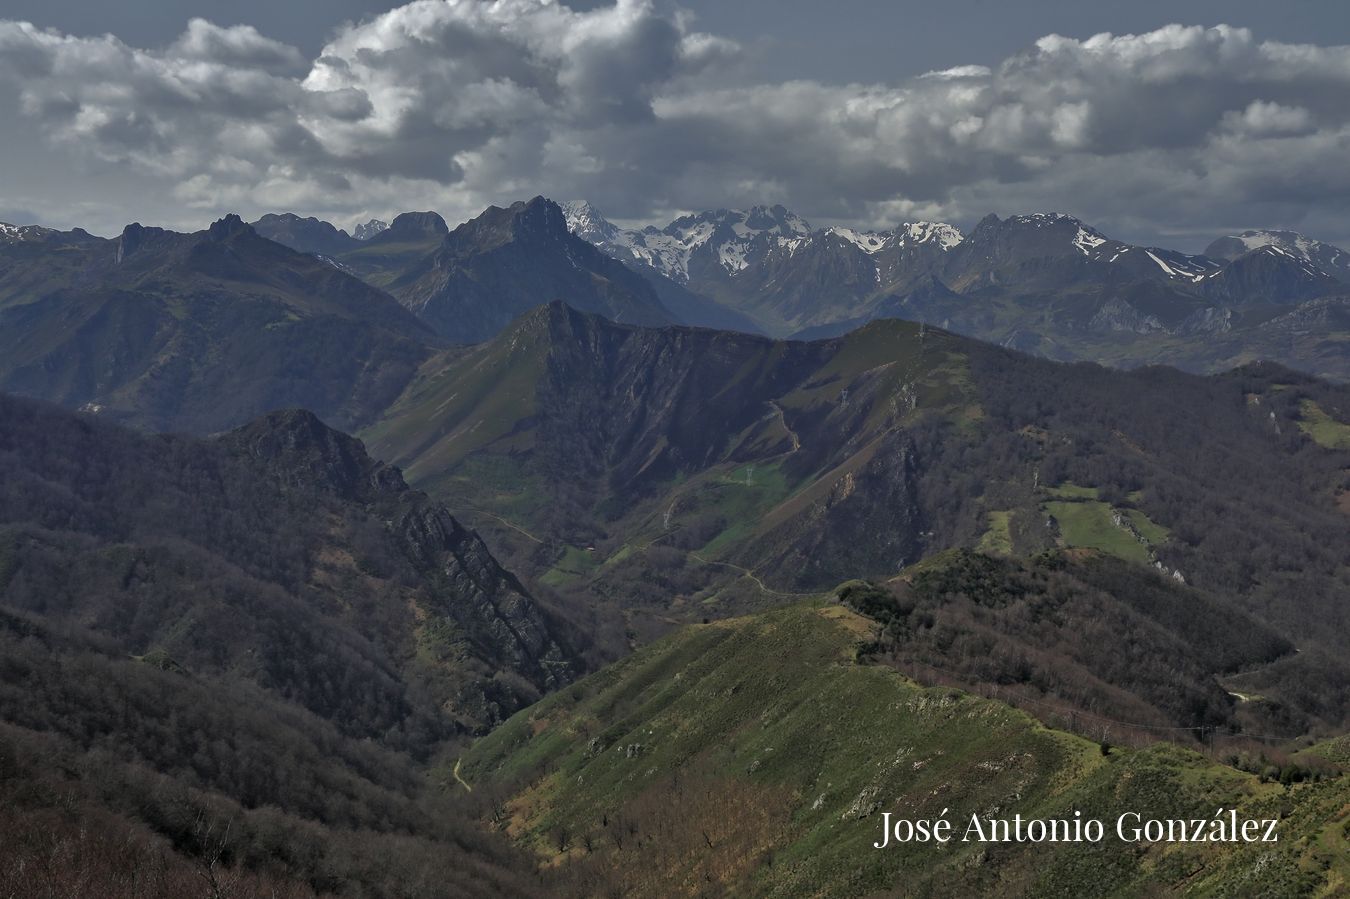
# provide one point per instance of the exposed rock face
(369, 229)
(488, 602)
(489, 605)
(303, 453)
(622, 401)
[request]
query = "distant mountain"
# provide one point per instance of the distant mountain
(369, 229)
(693, 246)
(197, 332)
(311, 235)
(674, 460)
(768, 262)
(471, 282)
(662, 268)
(1271, 275)
(1046, 283)
(1322, 256)
(305, 235)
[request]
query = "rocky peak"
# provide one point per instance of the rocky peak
(939, 234)
(130, 240)
(586, 222)
(1041, 235)
(1326, 258)
(539, 218)
(416, 225)
(370, 229)
(531, 223)
(134, 237)
(228, 227)
(304, 453)
(19, 233)
(778, 220)
(304, 235)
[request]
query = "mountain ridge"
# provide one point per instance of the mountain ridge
(677, 471)
(1046, 283)
(198, 332)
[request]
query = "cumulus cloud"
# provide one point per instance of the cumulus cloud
(458, 103)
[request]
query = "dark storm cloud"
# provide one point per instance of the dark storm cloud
(458, 104)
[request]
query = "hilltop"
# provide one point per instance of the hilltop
(755, 757)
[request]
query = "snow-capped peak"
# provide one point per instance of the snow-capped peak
(776, 220)
(1087, 240)
(586, 222)
(16, 233)
(1324, 257)
(735, 236)
(1286, 240)
(665, 253)
(867, 241)
(1044, 219)
(369, 229)
(939, 233)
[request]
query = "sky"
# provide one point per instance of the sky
(1162, 123)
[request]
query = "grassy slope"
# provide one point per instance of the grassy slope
(774, 754)
(465, 428)
(1324, 429)
(1085, 521)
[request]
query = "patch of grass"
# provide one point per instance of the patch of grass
(622, 553)
(1073, 491)
(1087, 523)
(461, 404)
(740, 497)
(575, 563)
(1322, 428)
(439, 641)
(998, 539)
(1153, 532)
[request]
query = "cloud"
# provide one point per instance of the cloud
(460, 103)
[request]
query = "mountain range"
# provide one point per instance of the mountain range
(510, 560)
(197, 332)
(685, 472)
(340, 325)
(1044, 283)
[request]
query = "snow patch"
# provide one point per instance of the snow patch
(1087, 240)
(940, 233)
(867, 241)
(1162, 265)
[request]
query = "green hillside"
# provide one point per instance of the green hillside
(756, 756)
(657, 476)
